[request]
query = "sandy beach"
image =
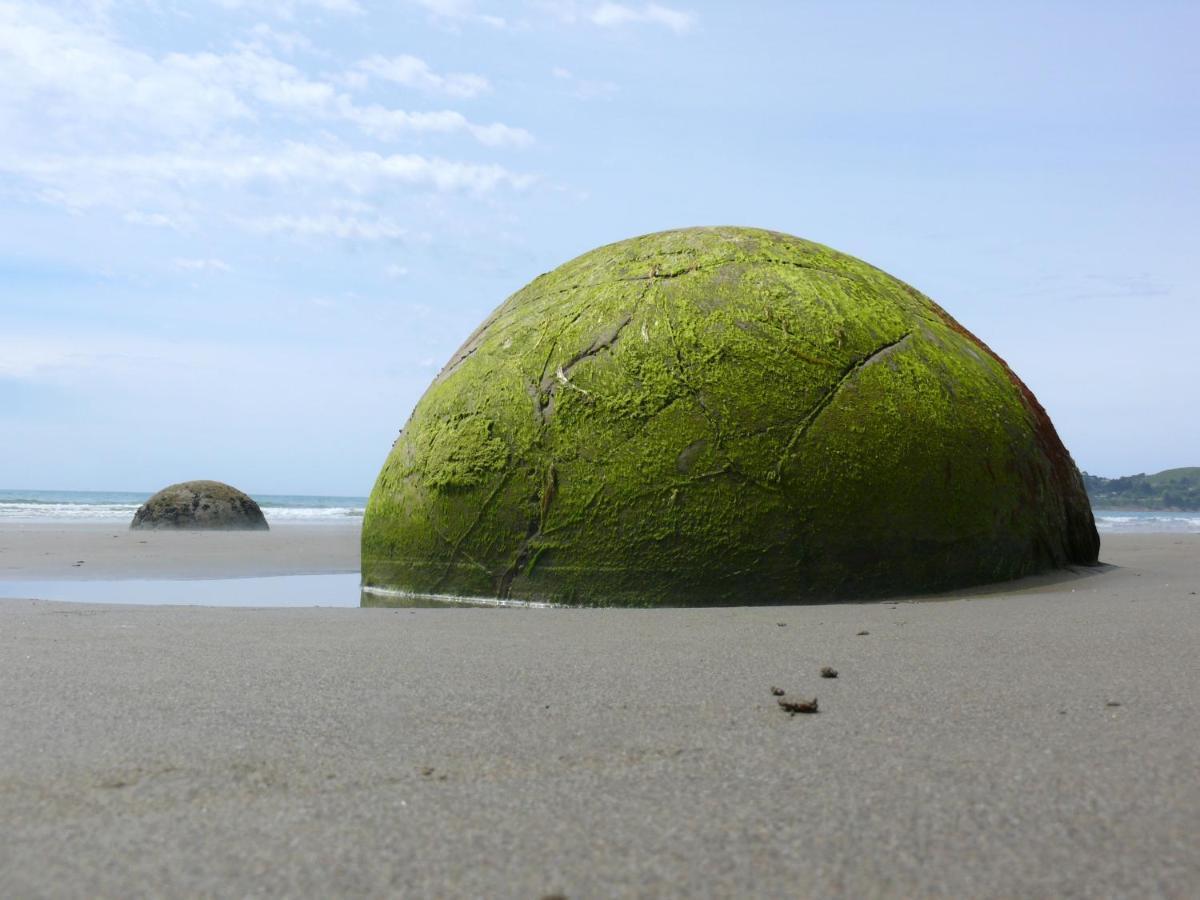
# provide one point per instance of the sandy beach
(1041, 740)
(95, 550)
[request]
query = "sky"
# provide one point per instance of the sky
(238, 238)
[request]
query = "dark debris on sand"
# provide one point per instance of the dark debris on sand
(799, 706)
(829, 672)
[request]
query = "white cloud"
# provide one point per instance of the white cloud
(237, 135)
(31, 357)
(411, 71)
(70, 76)
(585, 89)
(202, 265)
(328, 225)
(288, 41)
(82, 182)
(614, 14)
(395, 271)
(460, 11)
(74, 78)
(287, 9)
(390, 124)
(82, 359)
(255, 76)
(153, 220)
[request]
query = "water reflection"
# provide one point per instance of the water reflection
(282, 590)
(342, 589)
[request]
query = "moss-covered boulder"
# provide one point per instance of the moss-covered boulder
(721, 415)
(200, 505)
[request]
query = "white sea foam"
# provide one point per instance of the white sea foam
(1134, 522)
(90, 506)
(312, 513)
(62, 506)
(69, 512)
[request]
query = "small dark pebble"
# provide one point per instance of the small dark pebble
(1112, 703)
(829, 672)
(778, 692)
(861, 633)
(799, 706)
(781, 624)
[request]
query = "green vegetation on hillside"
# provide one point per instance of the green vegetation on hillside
(1172, 489)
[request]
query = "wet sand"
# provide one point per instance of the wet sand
(969, 746)
(90, 550)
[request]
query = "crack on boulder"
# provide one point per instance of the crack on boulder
(883, 352)
(445, 538)
(456, 547)
(795, 264)
(472, 344)
(604, 342)
(543, 393)
(848, 374)
(545, 498)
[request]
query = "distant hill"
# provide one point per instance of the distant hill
(1172, 489)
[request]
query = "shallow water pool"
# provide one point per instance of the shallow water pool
(280, 590)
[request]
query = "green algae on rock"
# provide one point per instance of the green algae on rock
(200, 505)
(721, 416)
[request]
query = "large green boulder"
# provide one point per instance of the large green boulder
(719, 416)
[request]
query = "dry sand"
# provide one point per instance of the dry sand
(967, 748)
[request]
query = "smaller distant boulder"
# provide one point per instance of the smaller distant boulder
(196, 505)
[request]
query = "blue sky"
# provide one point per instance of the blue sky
(239, 237)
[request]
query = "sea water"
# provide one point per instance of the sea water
(112, 506)
(119, 506)
(1132, 521)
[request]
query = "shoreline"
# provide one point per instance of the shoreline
(36, 556)
(67, 554)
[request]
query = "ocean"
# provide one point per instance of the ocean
(112, 506)
(1132, 521)
(119, 506)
